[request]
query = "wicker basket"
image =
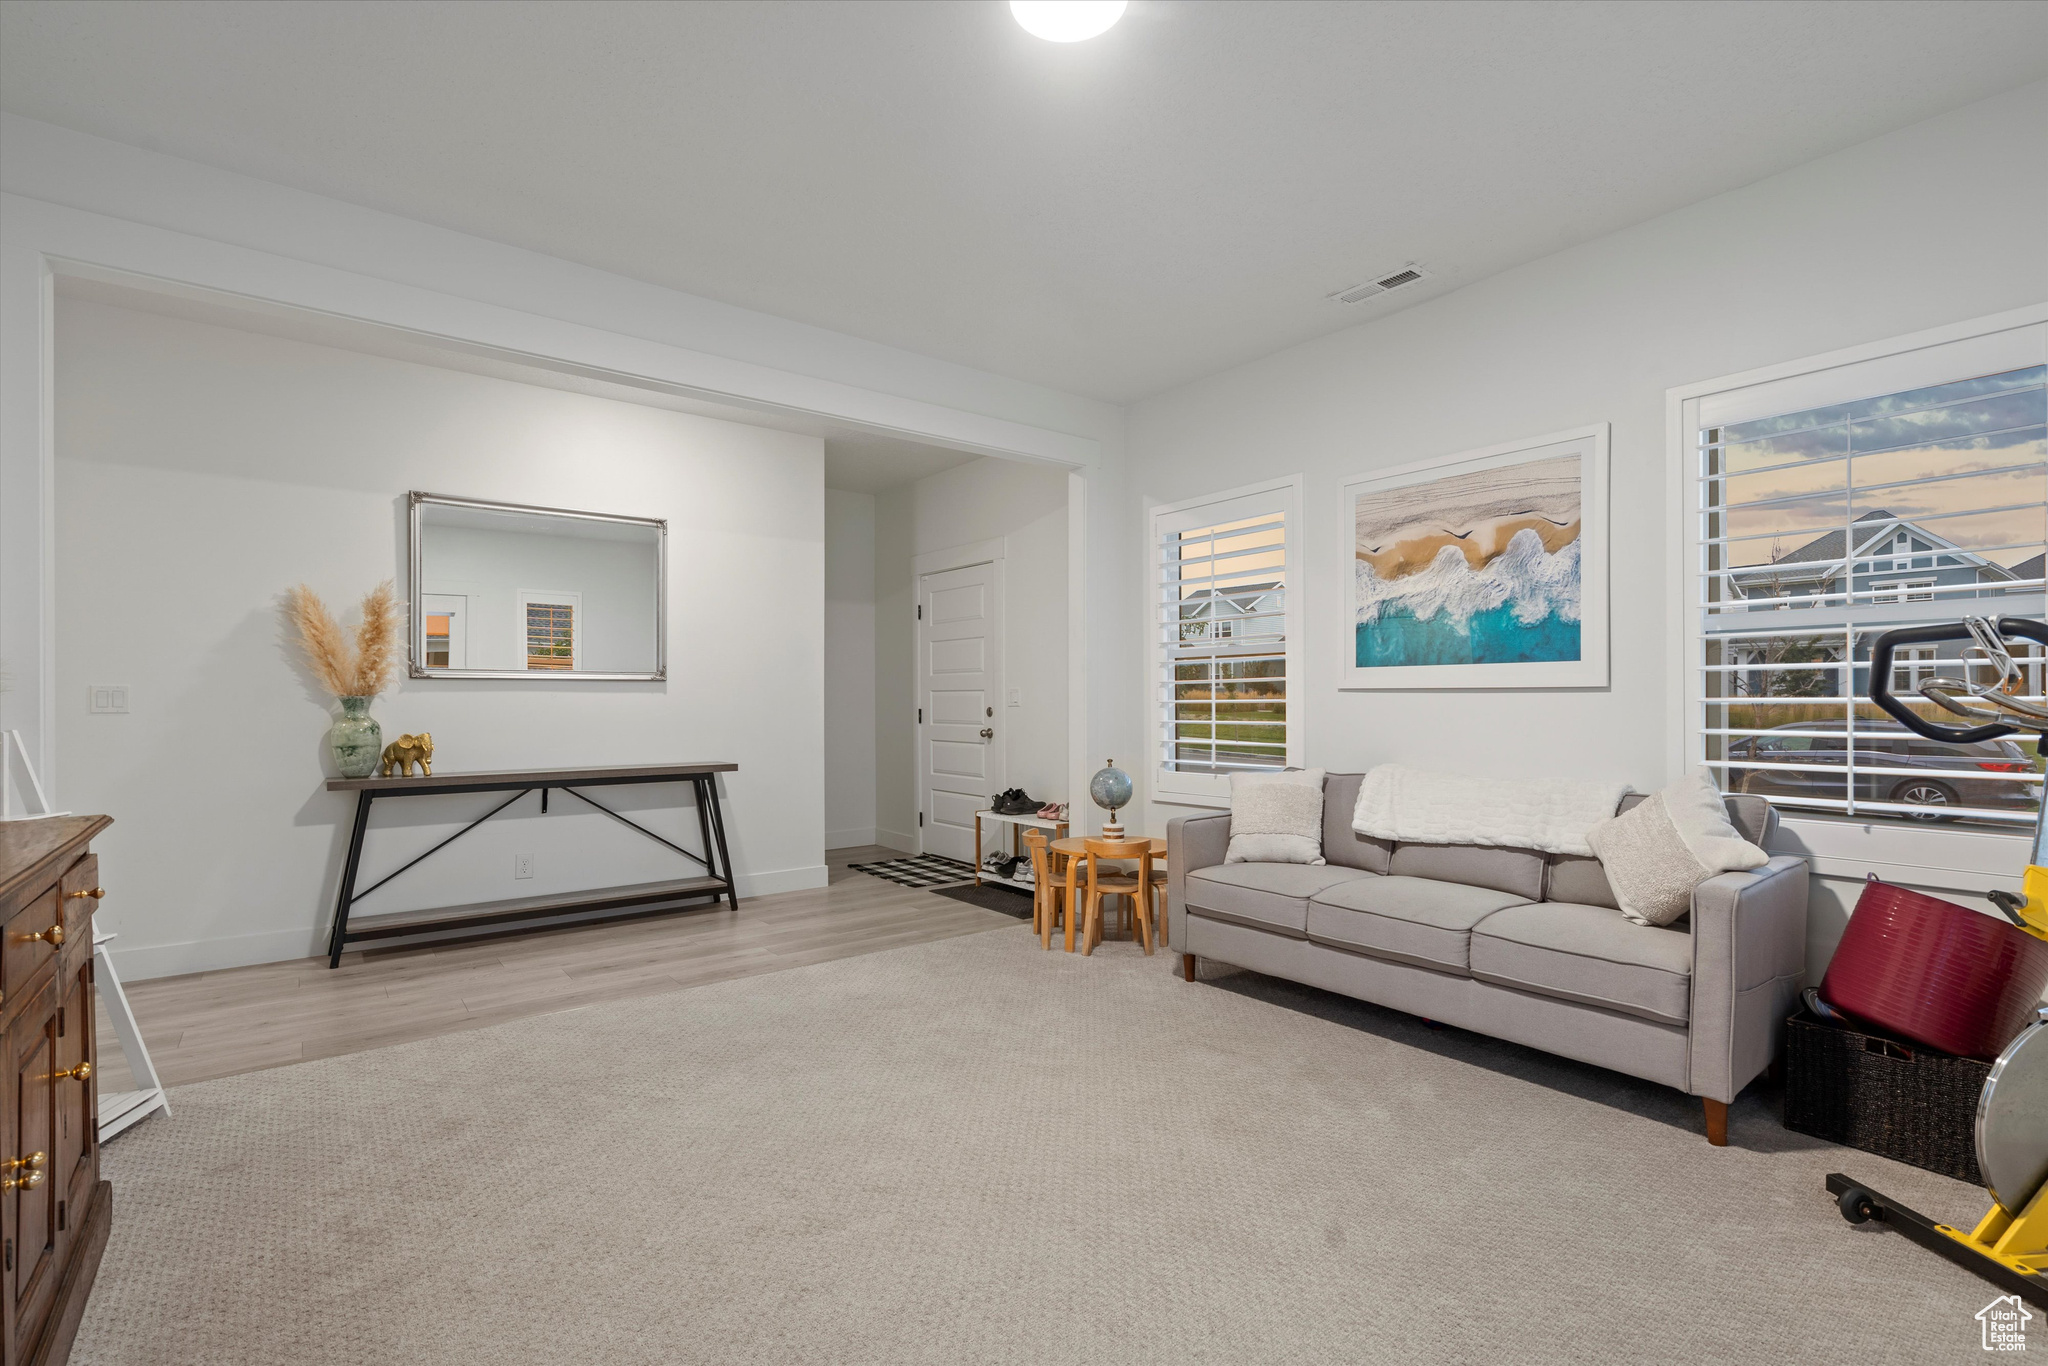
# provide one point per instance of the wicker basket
(1883, 1095)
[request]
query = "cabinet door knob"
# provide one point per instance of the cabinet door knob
(33, 1161)
(94, 893)
(52, 936)
(82, 1072)
(25, 1183)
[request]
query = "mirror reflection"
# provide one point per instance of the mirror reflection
(504, 591)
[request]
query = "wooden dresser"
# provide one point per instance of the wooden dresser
(54, 1209)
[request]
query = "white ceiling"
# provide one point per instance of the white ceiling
(1111, 218)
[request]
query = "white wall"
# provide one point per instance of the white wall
(1025, 506)
(78, 205)
(849, 668)
(1939, 222)
(202, 471)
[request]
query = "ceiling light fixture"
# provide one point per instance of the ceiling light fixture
(1067, 21)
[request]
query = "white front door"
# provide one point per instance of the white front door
(960, 676)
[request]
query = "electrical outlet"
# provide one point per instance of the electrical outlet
(106, 699)
(522, 865)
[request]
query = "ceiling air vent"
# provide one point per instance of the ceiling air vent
(1358, 294)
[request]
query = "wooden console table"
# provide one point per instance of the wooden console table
(457, 921)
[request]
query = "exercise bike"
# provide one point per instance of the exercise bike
(2009, 1246)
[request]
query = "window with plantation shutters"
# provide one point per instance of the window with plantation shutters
(1226, 641)
(552, 629)
(1829, 507)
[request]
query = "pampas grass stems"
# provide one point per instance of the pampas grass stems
(361, 669)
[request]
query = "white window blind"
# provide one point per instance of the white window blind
(1825, 523)
(1226, 640)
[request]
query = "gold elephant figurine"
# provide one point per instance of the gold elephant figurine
(408, 750)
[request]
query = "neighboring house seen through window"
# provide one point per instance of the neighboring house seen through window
(1823, 525)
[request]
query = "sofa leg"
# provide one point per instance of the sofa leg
(1717, 1121)
(1187, 966)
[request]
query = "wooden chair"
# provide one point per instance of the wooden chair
(1159, 916)
(1048, 893)
(1100, 884)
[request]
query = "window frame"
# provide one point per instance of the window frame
(1972, 859)
(1206, 789)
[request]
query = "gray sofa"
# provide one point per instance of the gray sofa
(1521, 945)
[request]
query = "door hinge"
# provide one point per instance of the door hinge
(920, 820)
(60, 1216)
(920, 716)
(920, 611)
(60, 1022)
(10, 1254)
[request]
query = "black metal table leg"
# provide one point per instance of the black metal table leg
(698, 788)
(732, 891)
(348, 879)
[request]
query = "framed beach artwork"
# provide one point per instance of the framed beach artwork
(1481, 570)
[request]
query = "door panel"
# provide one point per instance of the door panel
(958, 707)
(955, 657)
(35, 1206)
(71, 1168)
(967, 602)
(960, 754)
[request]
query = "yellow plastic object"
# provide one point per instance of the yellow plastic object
(2020, 1243)
(2035, 885)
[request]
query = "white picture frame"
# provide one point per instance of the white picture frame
(1417, 607)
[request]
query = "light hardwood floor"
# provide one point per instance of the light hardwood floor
(216, 1024)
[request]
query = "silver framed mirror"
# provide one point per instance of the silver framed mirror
(505, 590)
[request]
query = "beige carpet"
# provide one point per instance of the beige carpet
(971, 1151)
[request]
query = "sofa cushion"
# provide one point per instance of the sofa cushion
(1754, 818)
(1276, 817)
(1410, 919)
(1268, 896)
(1591, 954)
(1342, 844)
(1577, 877)
(1656, 853)
(1505, 870)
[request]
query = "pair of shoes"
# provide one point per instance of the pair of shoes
(1053, 811)
(1013, 803)
(1002, 865)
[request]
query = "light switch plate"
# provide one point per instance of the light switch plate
(1016, 697)
(106, 699)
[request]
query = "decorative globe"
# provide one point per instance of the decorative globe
(1110, 788)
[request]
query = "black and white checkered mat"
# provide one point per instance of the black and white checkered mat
(926, 870)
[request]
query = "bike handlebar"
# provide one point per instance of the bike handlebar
(1881, 677)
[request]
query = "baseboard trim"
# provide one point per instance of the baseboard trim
(898, 840)
(850, 839)
(140, 962)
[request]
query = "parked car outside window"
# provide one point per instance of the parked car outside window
(1947, 777)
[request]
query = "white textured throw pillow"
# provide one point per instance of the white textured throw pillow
(1657, 853)
(1276, 817)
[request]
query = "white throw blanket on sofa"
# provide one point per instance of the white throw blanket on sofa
(1550, 814)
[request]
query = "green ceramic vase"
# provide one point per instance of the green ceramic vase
(357, 739)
